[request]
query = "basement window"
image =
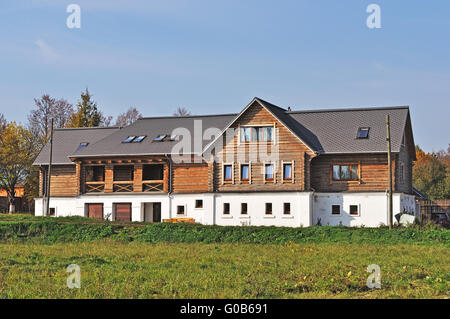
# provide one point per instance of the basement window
(268, 208)
(226, 208)
(363, 132)
(244, 208)
(354, 210)
(180, 209)
(199, 203)
(287, 208)
(335, 210)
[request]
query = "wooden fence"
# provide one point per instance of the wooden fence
(430, 207)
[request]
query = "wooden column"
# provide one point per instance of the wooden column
(109, 177)
(137, 182)
(80, 183)
(166, 178)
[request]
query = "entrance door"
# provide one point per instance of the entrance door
(95, 211)
(123, 212)
(156, 212)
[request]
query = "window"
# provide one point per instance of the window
(129, 139)
(199, 203)
(81, 146)
(256, 133)
(180, 209)
(160, 138)
(139, 139)
(123, 173)
(363, 132)
(228, 172)
(226, 208)
(335, 210)
(244, 208)
(95, 173)
(153, 172)
(268, 133)
(268, 208)
(52, 211)
(269, 172)
(244, 172)
(287, 171)
(345, 172)
(287, 208)
(245, 134)
(354, 210)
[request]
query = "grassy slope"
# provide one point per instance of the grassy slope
(134, 260)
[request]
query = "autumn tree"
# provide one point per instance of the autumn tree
(3, 123)
(181, 111)
(17, 152)
(128, 118)
(432, 174)
(48, 109)
(87, 113)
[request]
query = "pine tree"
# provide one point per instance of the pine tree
(87, 114)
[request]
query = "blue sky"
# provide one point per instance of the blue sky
(215, 56)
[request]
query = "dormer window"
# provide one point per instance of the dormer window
(256, 133)
(129, 139)
(363, 132)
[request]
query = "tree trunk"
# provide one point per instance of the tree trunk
(12, 207)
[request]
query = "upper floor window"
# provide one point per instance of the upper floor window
(256, 133)
(401, 172)
(153, 172)
(123, 173)
(228, 172)
(244, 172)
(345, 172)
(269, 172)
(287, 171)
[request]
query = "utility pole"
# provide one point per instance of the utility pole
(49, 173)
(388, 139)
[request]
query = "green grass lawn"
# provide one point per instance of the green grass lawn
(111, 269)
(137, 260)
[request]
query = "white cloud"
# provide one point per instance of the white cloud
(46, 51)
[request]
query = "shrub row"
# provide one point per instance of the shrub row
(55, 230)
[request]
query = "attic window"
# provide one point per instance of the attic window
(363, 132)
(139, 139)
(129, 139)
(81, 146)
(160, 138)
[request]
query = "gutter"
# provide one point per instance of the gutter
(169, 162)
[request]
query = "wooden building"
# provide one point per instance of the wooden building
(264, 166)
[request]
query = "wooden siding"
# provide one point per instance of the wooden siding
(290, 149)
(373, 173)
(190, 178)
(63, 181)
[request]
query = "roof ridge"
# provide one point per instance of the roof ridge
(375, 108)
(185, 116)
(86, 128)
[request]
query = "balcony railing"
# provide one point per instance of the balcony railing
(153, 186)
(123, 187)
(95, 187)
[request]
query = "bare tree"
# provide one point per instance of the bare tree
(48, 108)
(128, 118)
(181, 111)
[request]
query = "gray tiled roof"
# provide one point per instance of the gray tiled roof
(334, 131)
(67, 140)
(324, 131)
(152, 127)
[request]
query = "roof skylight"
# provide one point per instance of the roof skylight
(81, 146)
(139, 139)
(363, 132)
(160, 138)
(129, 139)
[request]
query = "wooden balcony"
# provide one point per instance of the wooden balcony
(123, 187)
(95, 187)
(153, 186)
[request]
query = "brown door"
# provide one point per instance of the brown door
(95, 211)
(123, 212)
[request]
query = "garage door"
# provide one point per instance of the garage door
(123, 212)
(95, 211)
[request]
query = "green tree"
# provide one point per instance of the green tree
(17, 152)
(432, 174)
(87, 113)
